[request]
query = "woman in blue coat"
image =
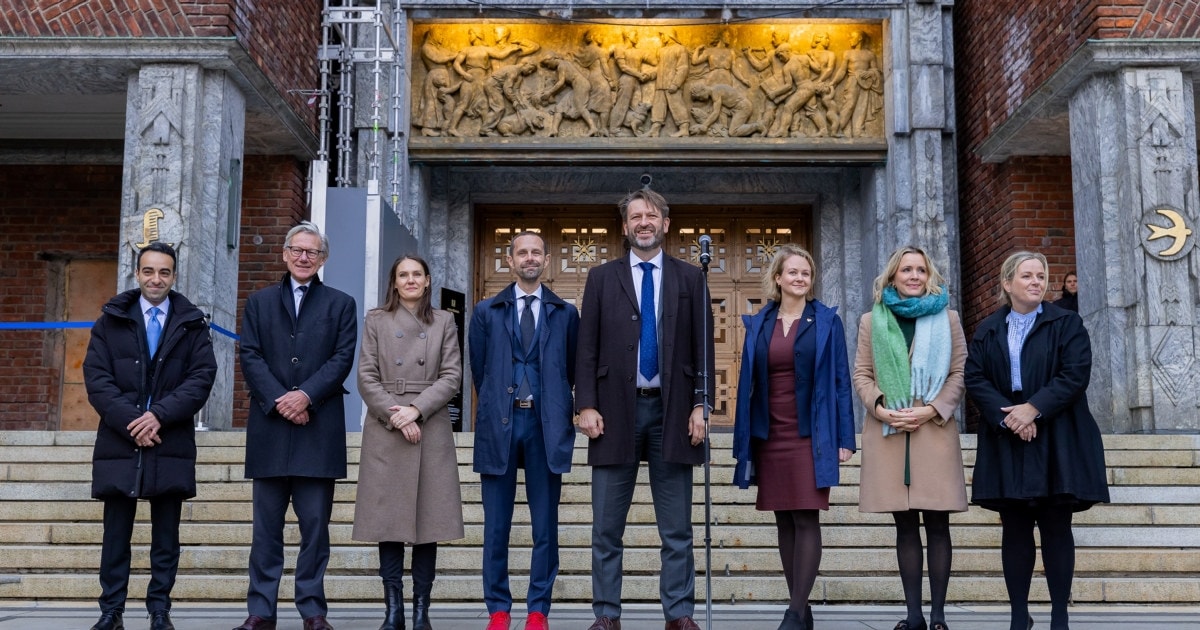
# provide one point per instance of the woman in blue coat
(795, 420)
(1040, 458)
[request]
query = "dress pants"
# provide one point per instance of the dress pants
(671, 489)
(543, 489)
(115, 554)
(312, 500)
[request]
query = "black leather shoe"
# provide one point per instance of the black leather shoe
(110, 620)
(254, 622)
(161, 620)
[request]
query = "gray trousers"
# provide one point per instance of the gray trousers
(612, 493)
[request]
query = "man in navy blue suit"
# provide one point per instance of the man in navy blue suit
(522, 350)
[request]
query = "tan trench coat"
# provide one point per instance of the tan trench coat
(935, 455)
(408, 492)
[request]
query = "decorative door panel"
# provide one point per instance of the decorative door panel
(578, 238)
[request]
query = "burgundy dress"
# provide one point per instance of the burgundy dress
(786, 475)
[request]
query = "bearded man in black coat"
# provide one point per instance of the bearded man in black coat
(149, 369)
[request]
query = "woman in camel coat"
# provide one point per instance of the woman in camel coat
(409, 367)
(911, 458)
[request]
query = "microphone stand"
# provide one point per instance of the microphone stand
(705, 259)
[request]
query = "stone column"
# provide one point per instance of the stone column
(184, 134)
(1133, 162)
(921, 195)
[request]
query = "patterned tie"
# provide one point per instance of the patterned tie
(153, 330)
(648, 353)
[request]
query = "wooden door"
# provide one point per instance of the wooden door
(579, 238)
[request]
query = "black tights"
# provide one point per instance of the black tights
(391, 566)
(1017, 552)
(800, 551)
(909, 554)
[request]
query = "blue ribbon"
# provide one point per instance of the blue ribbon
(61, 325)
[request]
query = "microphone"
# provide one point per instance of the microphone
(705, 249)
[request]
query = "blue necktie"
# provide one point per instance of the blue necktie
(648, 346)
(153, 330)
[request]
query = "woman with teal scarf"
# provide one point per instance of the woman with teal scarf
(908, 373)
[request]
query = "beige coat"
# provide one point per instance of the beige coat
(935, 455)
(408, 492)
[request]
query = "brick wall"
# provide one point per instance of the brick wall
(280, 36)
(46, 212)
(273, 201)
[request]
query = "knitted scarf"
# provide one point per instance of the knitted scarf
(900, 379)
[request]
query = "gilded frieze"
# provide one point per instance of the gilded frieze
(796, 80)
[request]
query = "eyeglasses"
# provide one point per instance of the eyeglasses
(300, 252)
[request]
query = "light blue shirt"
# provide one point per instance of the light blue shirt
(536, 306)
(1018, 330)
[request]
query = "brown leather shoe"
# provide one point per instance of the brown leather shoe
(317, 622)
(254, 622)
(683, 623)
(605, 623)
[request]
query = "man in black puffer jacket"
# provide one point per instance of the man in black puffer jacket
(149, 369)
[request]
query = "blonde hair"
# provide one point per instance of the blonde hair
(1008, 270)
(782, 253)
(933, 285)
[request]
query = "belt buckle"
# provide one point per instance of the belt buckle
(524, 404)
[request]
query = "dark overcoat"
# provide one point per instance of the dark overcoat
(281, 353)
(120, 377)
(831, 407)
(490, 345)
(607, 359)
(1064, 464)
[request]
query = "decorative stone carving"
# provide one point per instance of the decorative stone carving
(785, 81)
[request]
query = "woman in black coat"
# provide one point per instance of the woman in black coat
(1040, 458)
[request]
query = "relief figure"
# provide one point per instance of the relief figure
(631, 74)
(573, 88)
(596, 60)
(431, 117)
(731, 106)
(673, 67)
(862, 89)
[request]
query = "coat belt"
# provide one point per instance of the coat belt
(405, 386)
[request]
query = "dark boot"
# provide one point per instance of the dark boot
(808, 617)
(421, 612)
(393, 616)
(792, 620)
(424, 561)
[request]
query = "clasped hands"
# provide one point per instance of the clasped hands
(144, 430)
(908, 419)
(1020, 420)
(404, 419)
(293, 406)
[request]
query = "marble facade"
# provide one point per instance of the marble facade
(184, 140)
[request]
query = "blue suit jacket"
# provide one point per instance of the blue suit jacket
(314, 353)
(491, 353)
(832, 407)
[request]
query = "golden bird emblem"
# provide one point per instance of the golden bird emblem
(1178, 231)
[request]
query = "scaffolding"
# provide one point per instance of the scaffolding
(361, 41)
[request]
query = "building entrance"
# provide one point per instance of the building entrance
(580, 237)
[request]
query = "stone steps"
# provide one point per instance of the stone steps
(1143, 548)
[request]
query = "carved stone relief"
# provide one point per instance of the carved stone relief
(782, 81)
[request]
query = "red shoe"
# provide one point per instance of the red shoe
(536, 621)
(499, 621)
